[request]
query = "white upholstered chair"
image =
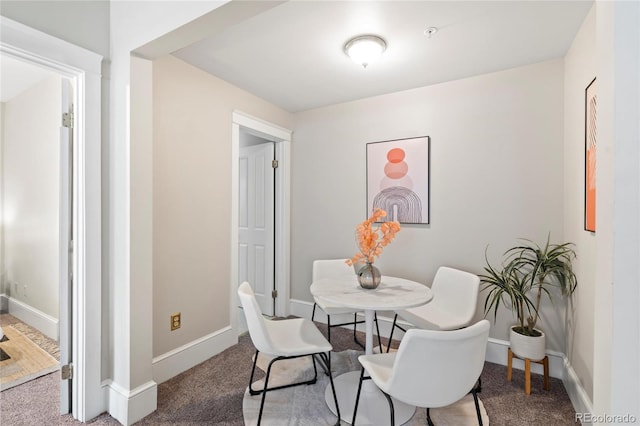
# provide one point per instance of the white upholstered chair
(455, 295)
(431, 368)
(284, 339)
(336, 268)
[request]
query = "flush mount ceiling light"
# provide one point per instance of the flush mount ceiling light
(365, 49)
(429, 32)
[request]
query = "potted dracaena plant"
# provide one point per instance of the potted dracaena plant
(529, 272)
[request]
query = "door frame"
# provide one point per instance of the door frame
(83, 68)
(282, 139)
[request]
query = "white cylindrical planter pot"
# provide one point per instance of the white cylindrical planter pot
(528, 346)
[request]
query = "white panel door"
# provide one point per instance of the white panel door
(65, 239)
(256, 222)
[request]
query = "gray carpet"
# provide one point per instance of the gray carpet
(306, 406)
(211, 394)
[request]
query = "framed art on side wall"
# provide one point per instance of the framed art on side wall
(590, 137)
(398, 179)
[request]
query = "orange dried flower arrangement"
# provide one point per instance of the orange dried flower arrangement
(371, 240)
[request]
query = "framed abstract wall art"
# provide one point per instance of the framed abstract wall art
(590, 137)
(398, 179)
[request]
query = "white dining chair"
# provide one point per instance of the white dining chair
(284, 339)
(335, 268)
(455, 295)
(431, 369)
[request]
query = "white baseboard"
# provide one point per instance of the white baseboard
(559, 367)
(578, 396)
(42, 322)
(130, 406)
(174, 362)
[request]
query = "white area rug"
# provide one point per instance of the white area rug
(305, 405)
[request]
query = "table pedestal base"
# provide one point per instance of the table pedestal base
(373, 408)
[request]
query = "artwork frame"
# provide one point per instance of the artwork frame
(398, 179)
(590, 139)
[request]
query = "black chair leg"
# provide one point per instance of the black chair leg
(313, 313)
(393, 416)
(429, 421)
(393, 326)
(355, 408)
(375, 318)
(475, 399)
(264, 390)
(355, 326)
(315, 369)
(327, 360)
(255, 360)
(475, 391)
(329, 328)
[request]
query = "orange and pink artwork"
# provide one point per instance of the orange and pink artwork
(590, 157)
(398, 179)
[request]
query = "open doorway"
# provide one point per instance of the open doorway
(35, 233)
(260, 249)
(82, 393)
(256, 221)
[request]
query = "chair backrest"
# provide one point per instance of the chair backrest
(437, 368)
(456, 292)
(330, 268)
(255, 320)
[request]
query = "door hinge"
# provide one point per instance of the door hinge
(274, 164)
(67, 119)
(274, 293)
(66, 372)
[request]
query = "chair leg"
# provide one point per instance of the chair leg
(355, 408)
(375, 318)
(327, 360)
(355, 325)
(475, 391)
(314, 311)
(315, 369)
(255, 360)
(393, 326)
(306, 382)
(264, 391)
(329, 328)
(393, 416)
(475, 399)
(429, 421)
(266, 388)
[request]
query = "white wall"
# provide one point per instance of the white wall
(84, 23)
(192, 113)
(625, 394)
(31, 166)
(580, 70)
(496, 175)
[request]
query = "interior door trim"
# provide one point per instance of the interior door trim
(282, 138)
(84, 68)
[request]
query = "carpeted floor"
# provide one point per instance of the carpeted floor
(211, 394)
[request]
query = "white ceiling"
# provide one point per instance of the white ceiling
(291, 55)
(17, 76)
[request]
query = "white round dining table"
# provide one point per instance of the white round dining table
(392, 294)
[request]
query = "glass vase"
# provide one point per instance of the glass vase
(369, 276)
